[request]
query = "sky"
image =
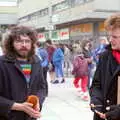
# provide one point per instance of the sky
(8, 2)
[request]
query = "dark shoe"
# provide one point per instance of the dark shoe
(63, 80)
(55, 82)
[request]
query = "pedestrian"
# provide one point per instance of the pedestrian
(100, 48)
(67, 60)
(80, 72)
(104, 87)
(50, 50)
(20, 76)
(58, 58)
(41, 52)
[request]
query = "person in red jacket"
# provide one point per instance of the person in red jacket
(80, 71)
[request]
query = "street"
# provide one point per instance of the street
(64, 104)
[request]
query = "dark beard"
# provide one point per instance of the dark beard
(23, 56)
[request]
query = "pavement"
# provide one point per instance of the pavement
(63, 103)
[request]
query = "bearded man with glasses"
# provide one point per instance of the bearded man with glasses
(21, 76)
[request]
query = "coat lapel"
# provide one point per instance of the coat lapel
(112, 70)
(115, 69)
(35, 70)
(117, 72)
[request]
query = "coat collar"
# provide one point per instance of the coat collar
(35, 61)
(114, 70)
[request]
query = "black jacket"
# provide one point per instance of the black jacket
(13, 87)
(104, 87)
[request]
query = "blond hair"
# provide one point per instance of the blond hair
(112, 22)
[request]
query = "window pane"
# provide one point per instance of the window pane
(60, 6)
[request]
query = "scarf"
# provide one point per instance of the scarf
(116, 55)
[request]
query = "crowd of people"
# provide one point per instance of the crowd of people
(25, 63)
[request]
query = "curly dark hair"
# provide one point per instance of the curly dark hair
(14, 34)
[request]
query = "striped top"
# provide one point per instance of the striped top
(26, 69)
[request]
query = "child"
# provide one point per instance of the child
(80, 71)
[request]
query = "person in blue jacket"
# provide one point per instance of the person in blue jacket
(100, 49)
(58, 58)
(41, 52)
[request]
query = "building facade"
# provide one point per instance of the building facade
(8, 14)
(67, 20)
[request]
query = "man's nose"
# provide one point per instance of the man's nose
(24, 43)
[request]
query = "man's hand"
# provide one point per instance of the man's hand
(102, 115)
(93, 107)
(37, 107)
(27, 108)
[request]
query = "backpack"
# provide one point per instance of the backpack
(80, 66)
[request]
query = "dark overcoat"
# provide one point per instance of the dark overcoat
(13, 87)
(103, 91)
